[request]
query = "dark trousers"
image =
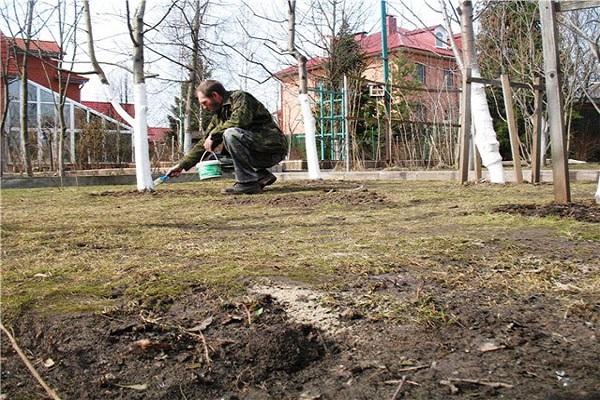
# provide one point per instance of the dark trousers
(247, 162)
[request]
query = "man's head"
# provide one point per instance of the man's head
(210, 94)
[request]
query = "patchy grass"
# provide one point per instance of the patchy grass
(421, 274)
(77, 248)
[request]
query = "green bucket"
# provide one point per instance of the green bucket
(209, 169)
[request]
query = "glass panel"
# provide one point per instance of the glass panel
(448, 79)
(46, 96)
(111, 147)
(31, 92)
(80, 118)
(421, 73)
(47, 114)
(110, 126)
(67, 114)
(95, 119)
(125, 148)
(32, 115)
(14, 89)
(13, 110)
(439, 39)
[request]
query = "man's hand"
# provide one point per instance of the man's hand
(208, 144)
(174, 172)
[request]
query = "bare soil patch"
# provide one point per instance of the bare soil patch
(584, 211)
(311, 200)
(489, 346)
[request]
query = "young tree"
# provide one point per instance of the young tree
(139, 123)
(310, 126)
(485, 135)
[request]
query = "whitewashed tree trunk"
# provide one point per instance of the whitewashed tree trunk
(310, 125)
(140, 138)
(485, 137)
(139, 124)
(140, 100)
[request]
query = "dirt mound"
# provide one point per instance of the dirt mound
(194, 347)
(156, 193)
(290, 350)
(310, 200)
(585, 212)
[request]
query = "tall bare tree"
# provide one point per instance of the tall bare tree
(140, 126)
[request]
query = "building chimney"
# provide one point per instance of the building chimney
(392, 27)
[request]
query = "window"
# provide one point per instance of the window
(47, 113)
(420, 69)
(31, 92)
(80, 117)
(46, 96)
(439, 40)
(420, 112)
(448, 79)
(14, 90)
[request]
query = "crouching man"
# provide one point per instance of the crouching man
(246, 130)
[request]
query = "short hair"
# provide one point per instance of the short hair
(209, 86)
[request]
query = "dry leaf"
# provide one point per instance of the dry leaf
(49, 363)
(490, 346)
(140, 387)
(143, 344)
(202, 325)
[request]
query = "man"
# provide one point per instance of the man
(246, 130)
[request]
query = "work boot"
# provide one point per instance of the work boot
(265, 178)
(243, 188)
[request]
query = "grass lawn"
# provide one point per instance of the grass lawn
(426, 255)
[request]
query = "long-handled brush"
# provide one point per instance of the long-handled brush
(161, 179)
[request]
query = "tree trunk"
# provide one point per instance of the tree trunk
(142, 156)
(25, 145)
(310, 125)
(187, 142)
(485, 135)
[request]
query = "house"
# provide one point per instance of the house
(96, 134)
(436, 101)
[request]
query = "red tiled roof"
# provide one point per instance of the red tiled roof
(398, 37)
(45, 46)
(107, 109)
(158, 134)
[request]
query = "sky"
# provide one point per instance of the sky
(113, 45)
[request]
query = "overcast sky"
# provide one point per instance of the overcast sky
(113, 44)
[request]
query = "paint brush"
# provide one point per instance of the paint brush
(161, 179)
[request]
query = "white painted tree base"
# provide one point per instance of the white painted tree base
(310, 141)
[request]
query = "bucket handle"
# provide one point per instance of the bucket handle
(211, 152)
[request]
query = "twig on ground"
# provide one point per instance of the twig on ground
(496, 385)
(398, 391)
(397, 381)
(23, 357)
(415, 368)
(198, 336)
(247, 311)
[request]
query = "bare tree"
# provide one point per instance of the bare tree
(136, 32)
(309, 120)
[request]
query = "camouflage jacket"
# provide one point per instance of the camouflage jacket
(241, 110)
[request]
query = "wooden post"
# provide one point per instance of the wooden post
(513, 132)
(537, 133)
(465, 127)
(560, 173)
(477, 162)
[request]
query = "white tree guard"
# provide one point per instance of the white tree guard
(485, 135)
(598, 191)
(140, 139)
(310, 130)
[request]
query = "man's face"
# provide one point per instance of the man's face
(211, 103)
